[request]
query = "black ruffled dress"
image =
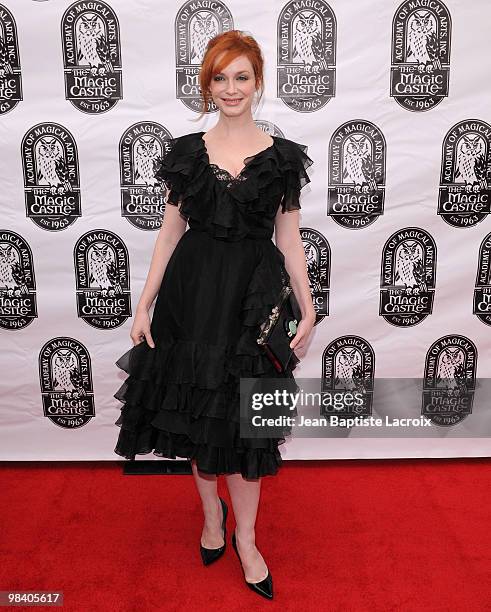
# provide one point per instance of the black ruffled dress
(181, 398)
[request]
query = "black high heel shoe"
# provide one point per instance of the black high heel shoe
(212, 554)
(265, 586)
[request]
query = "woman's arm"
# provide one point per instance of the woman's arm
(289, 241)
(171, 231)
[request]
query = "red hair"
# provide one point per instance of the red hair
(232, 44)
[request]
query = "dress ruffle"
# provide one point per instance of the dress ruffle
(274, 176)
(295, 172)
(261, 295)
(183, 420)
(181, 398)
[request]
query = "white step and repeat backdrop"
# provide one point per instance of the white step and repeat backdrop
(394, 102)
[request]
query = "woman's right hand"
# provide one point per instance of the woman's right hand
(140, 330)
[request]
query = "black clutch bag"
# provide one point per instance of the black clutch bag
(280, 328)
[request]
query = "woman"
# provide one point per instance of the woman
(215, 284)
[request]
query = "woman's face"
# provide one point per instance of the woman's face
(233, 89)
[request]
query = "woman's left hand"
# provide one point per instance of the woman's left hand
(303, 332)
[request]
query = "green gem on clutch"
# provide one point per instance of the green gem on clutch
(292, 326)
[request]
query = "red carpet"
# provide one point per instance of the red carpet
(376, 535)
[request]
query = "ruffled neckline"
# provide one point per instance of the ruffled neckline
(274, 174)
(246, 161)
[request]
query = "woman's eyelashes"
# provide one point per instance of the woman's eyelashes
(240, 78)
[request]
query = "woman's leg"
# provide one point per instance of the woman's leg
(212, 535)
(245, 499)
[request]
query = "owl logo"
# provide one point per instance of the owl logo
(5, 65)
(356, 174)
(409, 268)
(318, 259)
(51, 166)
(358, 164)
(203, 27)
(12, 277)
(307, 41)
(408, 277)
(471, 162)
(148, 157)
(449, 379)
(92, 44)
(66, 374)
(103, 272)
(102, 279)
(464, 173)
(450, 372)
(348, 364)
(313, 268)
(423, 45)
(420, 55)
(349, 374)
